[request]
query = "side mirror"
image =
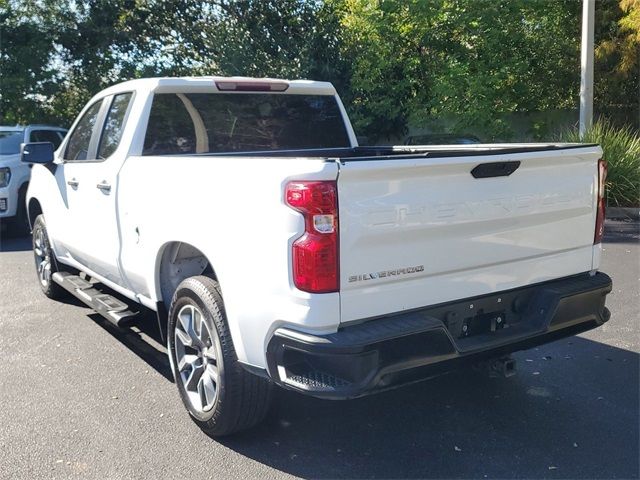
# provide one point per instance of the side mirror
(36, 152)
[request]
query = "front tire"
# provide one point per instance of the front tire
(220, 395)
(45, 260)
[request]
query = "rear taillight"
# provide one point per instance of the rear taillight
(602, 178)
(315, 253)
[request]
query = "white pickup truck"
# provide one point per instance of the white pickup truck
(275, 250)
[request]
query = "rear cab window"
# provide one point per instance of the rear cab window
(188, 123)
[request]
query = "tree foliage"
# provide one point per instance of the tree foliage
(472, 59)
(395, 62)
(617, 75)
(28, 76)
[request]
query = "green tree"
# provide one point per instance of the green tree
(470, 59)
(617, 67)
(56, 55)
(260, 38)
(28, 75)
(395, 62)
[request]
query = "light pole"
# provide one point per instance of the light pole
(586, 66)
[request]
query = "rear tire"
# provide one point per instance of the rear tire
(45, 259)
(219, 394)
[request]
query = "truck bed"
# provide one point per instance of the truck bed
(422, 225)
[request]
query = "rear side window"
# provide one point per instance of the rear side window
(113, 125)
(219, 123)
(46, 136)
(78, 146)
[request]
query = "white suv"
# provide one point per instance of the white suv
(14, 175)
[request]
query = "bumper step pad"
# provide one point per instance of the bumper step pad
(318, 380)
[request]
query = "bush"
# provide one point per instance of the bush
(621, 147)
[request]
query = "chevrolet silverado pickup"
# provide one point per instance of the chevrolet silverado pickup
(276, 251)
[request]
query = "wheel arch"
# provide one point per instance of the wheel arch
(23, 189)
(175, 262)
(33, 210)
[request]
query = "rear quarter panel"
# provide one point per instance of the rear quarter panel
(232, 210)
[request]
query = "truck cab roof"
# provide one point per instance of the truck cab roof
(213, 83)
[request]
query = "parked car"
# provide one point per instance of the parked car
(441, 139)
(276, 251)
(14, 175)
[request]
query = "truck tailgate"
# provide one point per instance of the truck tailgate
(423, 231)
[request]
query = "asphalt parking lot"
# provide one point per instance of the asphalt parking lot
(80, 398)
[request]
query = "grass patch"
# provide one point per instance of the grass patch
(621, 147)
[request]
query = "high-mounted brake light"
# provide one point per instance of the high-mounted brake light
(602, 178)
(315, 253)
(230, 86)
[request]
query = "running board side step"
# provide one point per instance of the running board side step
(114, 310)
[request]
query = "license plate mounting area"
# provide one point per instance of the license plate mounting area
(482, 323)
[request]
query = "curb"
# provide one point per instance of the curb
(620, 213)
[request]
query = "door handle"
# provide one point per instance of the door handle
(104, 186)
(73, 183)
